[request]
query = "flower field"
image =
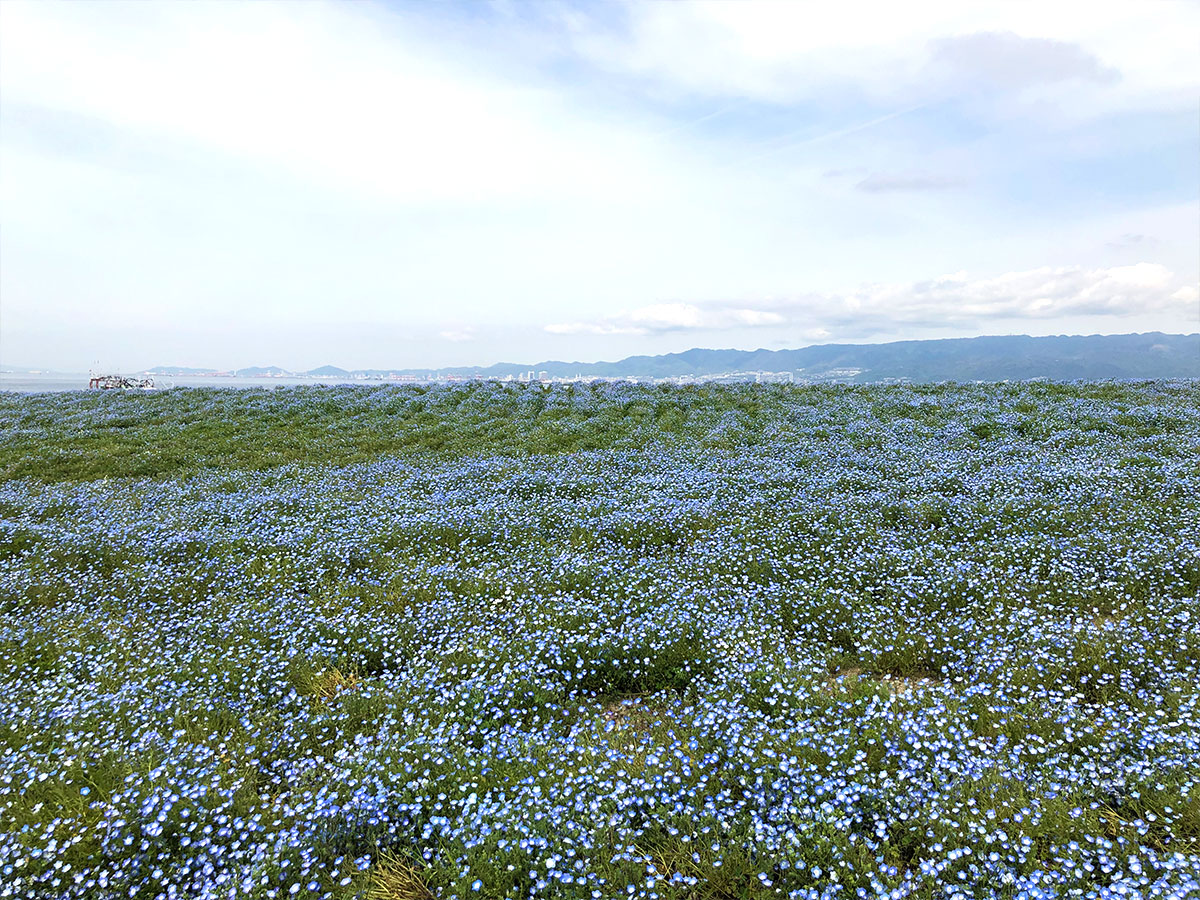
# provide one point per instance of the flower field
(601, 642)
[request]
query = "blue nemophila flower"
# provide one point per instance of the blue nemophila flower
(906, 641)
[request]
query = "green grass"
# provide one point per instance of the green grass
(734, 641)
(87, 436)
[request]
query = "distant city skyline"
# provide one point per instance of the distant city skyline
(389, 185)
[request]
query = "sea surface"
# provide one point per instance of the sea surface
(23, 383)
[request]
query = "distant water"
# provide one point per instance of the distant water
(58, 381)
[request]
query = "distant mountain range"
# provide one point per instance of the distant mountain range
(1011, 357)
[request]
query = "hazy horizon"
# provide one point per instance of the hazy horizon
(350, 367)
(385, 185)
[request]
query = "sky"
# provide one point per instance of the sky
(402, 185)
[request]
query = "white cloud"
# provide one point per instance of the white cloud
(782, 52)
(661, 318)
(1005, 59)
(880, 182)
(948, 300)
(592, 328)
(341, 96)
(457, 335)
(1035, 294)
(668, 317)
(1187, 295)
(1132, 240)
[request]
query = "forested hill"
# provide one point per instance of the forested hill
(1011, 357)
(1016, 357)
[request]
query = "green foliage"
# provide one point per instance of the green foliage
(732, 642)
(56, 437)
